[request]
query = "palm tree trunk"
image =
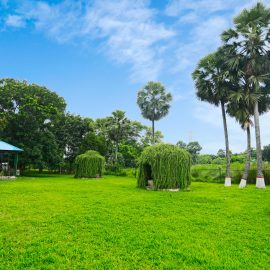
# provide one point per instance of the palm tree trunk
(243, 182)
(116, 153)
(228, 168)
(153, 132)
(260, 178)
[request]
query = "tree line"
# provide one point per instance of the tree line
(35, 119)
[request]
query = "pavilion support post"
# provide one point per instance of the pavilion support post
(16, 164)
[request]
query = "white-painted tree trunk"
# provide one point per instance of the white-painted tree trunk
(228, 182)
(228, 159)
(243, 183)
(260, 182)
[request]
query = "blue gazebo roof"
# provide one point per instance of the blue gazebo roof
(8, 147)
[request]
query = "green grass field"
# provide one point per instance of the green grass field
(61, 223)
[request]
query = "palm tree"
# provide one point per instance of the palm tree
(154, 103)
(117, 128)
(248, 48)
(212, 85)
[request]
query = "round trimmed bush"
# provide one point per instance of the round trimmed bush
(89, 165)
(167, 165)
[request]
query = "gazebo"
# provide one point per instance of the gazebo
(8, 153)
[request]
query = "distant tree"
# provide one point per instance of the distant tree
(205, 159)
(74, 130)
(130, 154)
(221, 153)
(92, 141)
(117, 128)
(154, 102)
(181, 144)
(194, 149)
(266, 153)
(147, 138)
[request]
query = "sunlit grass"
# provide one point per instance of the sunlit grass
(64, 223)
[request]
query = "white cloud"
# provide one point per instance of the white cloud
(127, 31)
(203, 39)
(176, 7)
(206, 7)
(15, 21)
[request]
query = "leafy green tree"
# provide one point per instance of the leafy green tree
(194, 149)
(92, 141)
(248, 54)
(154, 102)
(73, 132)
(181, 144)
(130, 154)
(221, 153)
(205, 159)
(266, 153)
(147, 137)
(31, 114)
(212, 85)
(117, 128)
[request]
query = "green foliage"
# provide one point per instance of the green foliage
(266, 153)
(29, 119)
(89, 165)
(193, 148)
(154, 103)
(167, 165)
(147, 140)
(118, 128)
(215, 173)
(221, 153)
(205, 159)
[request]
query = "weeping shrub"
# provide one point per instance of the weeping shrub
(167, 165)
(89, 165)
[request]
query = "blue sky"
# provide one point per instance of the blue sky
(98, 53)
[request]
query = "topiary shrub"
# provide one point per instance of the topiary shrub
(89, 165)
(167, 165)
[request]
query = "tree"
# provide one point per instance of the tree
(154, 102)
(248, 56)
(117, 128)
(221, 153)
(266, 153)
(73, 132)
(181, 144)
(212, 85)
(147, 139)
(194, 149)
(31, 115)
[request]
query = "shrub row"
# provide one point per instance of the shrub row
(216, 174)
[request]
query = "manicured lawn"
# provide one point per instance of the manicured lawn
(63, 223)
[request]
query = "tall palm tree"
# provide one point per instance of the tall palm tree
(212, 85)
(248, 45)
(240, 106)
(154, 103)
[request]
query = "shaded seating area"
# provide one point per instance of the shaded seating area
(9, 158)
